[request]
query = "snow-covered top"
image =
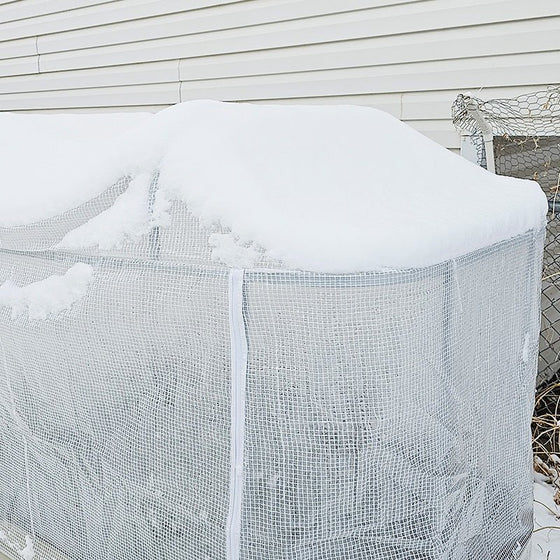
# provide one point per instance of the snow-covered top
(322, 188)
(51, 163)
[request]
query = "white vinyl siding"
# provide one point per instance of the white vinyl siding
(408, 57)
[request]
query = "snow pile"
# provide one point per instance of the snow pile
(331, 189)
(340, 189)
(26, 553)
(128, 219)
(227, 250)
(52, 163)
(546, 538)
(49, 296)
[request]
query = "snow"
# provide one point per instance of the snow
(126, 220)
(340, 189)
(51, 163)
(227, 250)
(48, 296)
(322, 188)
(28, 553)
(546, 538)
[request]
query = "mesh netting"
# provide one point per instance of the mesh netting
(168, 407)
(524, 135)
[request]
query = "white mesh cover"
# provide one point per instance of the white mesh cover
(167, 407)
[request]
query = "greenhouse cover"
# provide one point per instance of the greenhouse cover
(249, 332)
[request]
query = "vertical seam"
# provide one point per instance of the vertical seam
(238, 342)
(179, 79)
(37, 53)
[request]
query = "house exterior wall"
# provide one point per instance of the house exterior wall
(408, 57)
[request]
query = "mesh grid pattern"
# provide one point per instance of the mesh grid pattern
(124, 405)
(377, 424)
(361, 450)
(526, 144)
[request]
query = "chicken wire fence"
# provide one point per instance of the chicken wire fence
(157, 404)
(520, 137)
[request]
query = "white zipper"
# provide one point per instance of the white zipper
(238, 374)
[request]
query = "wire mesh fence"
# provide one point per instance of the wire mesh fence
(520, 137)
